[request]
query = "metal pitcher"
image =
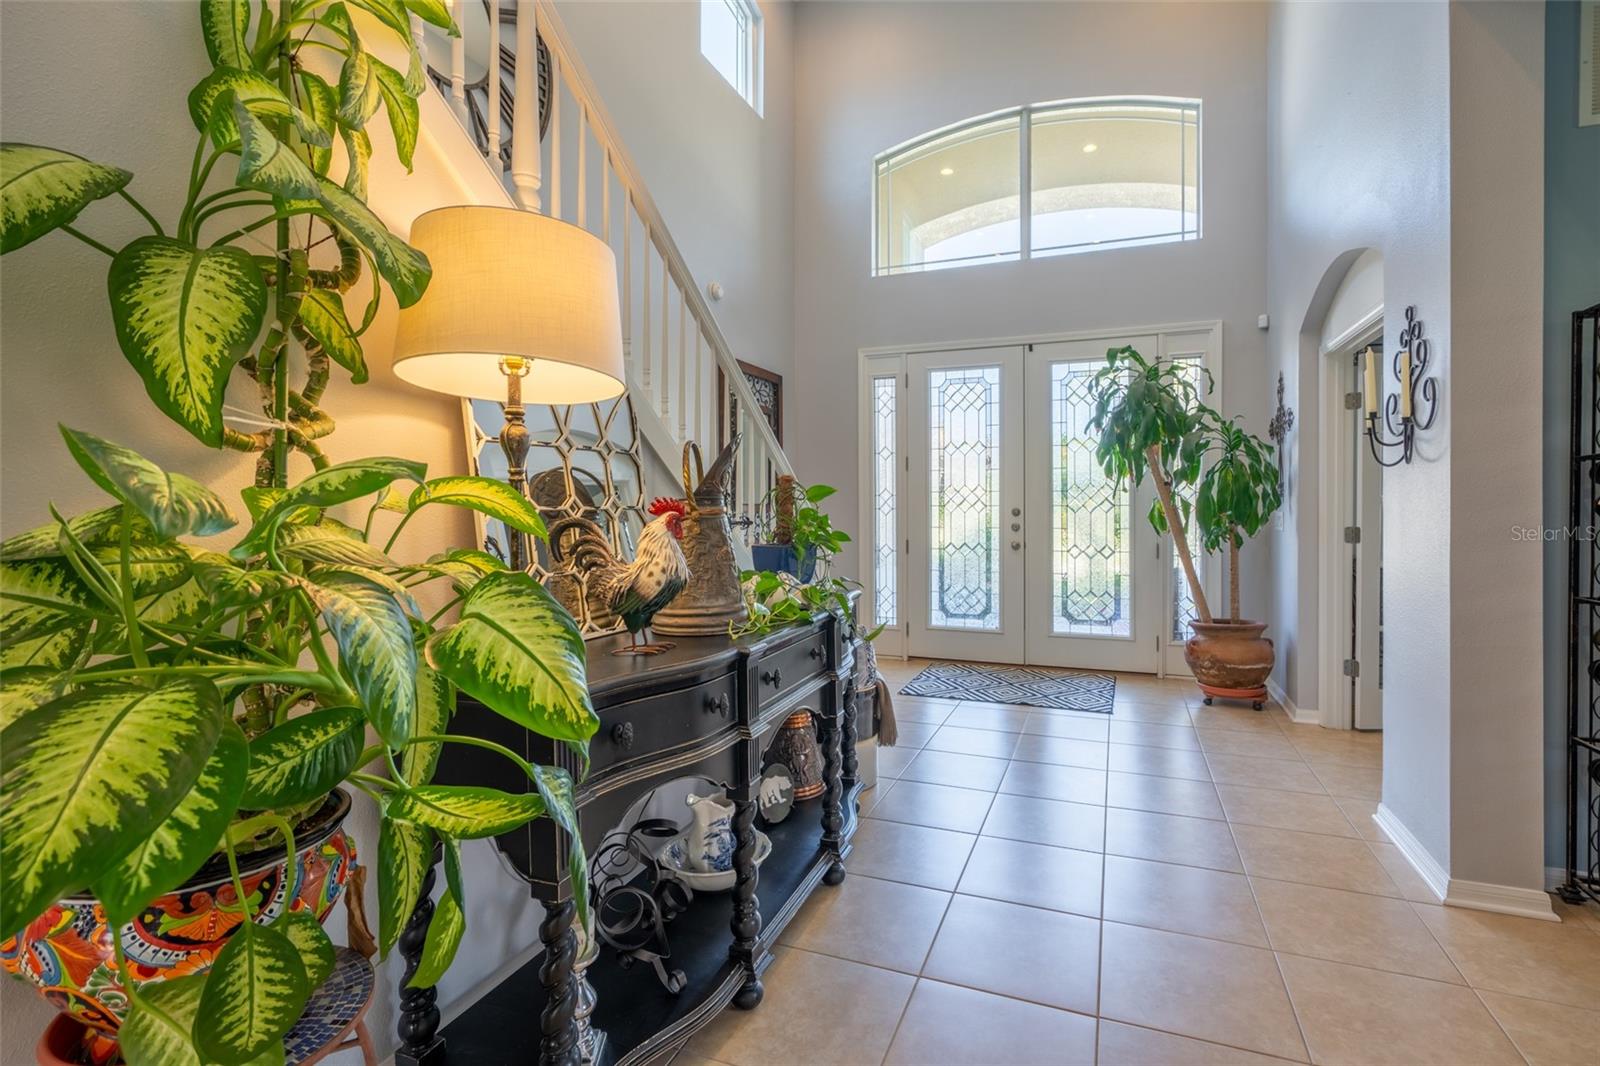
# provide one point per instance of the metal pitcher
(713, 599)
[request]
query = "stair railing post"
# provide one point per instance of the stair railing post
(525, 108)
(458, 65)
(493, 116)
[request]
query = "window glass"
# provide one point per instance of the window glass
(1113, 174)
(952, 200)
(730, 40)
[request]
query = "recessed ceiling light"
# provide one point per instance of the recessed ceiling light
(947, 171)
(1091, 147)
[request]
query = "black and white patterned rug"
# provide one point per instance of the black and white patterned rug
(1035, 686)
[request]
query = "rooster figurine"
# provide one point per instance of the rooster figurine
(636, 590)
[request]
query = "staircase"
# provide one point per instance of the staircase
(683, 379)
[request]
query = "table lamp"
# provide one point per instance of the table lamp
(514, 295)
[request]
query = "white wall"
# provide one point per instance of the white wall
(1377, 112)
(873, 75)
(722, 175)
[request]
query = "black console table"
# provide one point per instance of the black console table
(707, 708)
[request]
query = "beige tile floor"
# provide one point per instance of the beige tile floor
(1174, 883)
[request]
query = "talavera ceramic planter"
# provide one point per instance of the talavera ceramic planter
(66, 953)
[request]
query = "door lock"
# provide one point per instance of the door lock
(1016, 512)
(1016, 527)
(1015, 545)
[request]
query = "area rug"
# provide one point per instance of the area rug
(1035, 686)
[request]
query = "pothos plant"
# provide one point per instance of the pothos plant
(163, 701)
(775, 599)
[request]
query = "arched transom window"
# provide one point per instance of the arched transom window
(1047, 179)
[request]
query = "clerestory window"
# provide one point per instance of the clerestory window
(1046, 179)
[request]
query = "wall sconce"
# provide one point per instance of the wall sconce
(1400, 414)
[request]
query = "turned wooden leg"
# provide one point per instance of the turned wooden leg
(746, 922)
(558, 1022)
(832, 819)
(420, 1043)
(850, 763)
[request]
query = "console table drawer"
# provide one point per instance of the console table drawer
(641, 729)
(787, 668)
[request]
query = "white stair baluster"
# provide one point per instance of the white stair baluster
(525, 108)
(605, 194)
(627, 283)
(458, 65)
(555, 136)
(493, 117)
(644, 252)
(667, 280)
(683, 365)
(583, 173)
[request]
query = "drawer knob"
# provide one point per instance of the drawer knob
(816, 652)
(718, 703)
(773, 677)
(622, 735)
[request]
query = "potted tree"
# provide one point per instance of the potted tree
(1153, 422)
(184, 727)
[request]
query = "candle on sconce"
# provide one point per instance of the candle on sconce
(1405, 384)
(1370, 392)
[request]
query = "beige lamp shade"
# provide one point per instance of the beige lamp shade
(512, 283)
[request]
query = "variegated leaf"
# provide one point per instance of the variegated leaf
(254, 993)
(42, 189)
(332, 485)
(517, 651)
(179, 845)
(331, 544)
(152, 568)
(23, 688)
(185, 605)
(453, 878)
(173, 504)
(269, 165)
(212, 102)
(159, 1027)
(405, 851)
(184, 316)
(555, 788)
(436, 701)
(54, 650)
(311, 941)
(493, 498)
(322, 104)
(40, 596)
(223, 24)
(322, 314)
(444, 938)
(358, 153)
(303, 758)
(87, 776)
(258, 500)
(375, 649)
(467, 812)
(400, 104)
(358, 85)
(434, 12)
(93, 529)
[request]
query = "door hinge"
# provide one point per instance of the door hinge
(1352, 401)
(1352, 534)
(1352, 668)
(908, 545)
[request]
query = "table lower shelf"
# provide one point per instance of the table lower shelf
(638, 1016)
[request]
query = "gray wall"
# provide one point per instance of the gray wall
(1409, 128)
(875, 75)
(1571, 282)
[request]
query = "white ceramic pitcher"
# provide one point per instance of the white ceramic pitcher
(709, 839)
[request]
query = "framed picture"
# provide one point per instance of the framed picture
(768, 389)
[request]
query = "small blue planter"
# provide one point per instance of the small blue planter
(781, 558)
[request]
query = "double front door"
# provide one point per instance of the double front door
(1020, 549)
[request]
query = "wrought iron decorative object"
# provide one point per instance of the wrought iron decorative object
(1400, 413)
(1278, 429)
(634, 898)
(713, 599)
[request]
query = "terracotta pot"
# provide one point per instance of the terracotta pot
(66, 952)
(1231, 655)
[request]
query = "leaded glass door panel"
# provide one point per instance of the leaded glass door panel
(1094, 572)
(966, 481)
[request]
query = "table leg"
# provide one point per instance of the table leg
(832, 819)
(418, 1028)
(559, 1020)
(746, 922)
(851, 764)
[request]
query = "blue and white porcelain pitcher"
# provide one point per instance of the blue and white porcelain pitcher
(709, 838)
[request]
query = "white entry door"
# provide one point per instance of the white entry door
(966, 494)
(1094, 574)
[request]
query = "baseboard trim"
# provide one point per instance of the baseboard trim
(1426, 865)
(1298, 715)
(1501, 899)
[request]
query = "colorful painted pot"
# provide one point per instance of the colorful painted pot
(66, 952)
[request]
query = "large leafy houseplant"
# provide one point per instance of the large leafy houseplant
(162, 700)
